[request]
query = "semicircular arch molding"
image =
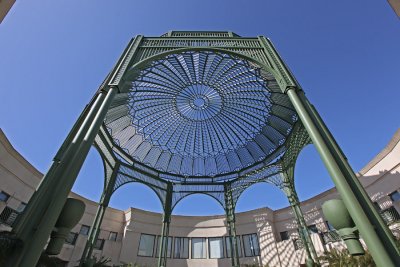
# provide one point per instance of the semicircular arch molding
(123, 179)
(178, 197)
(139, 192)
(264, 190)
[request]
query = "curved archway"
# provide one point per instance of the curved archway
(309, 171)
(90, 181)
(262, 193)
(209, 205)
(132, 194)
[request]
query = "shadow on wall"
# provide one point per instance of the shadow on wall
(284, 253)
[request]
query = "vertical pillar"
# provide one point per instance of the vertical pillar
(103, 204)
(52, 195)
(36, 223)
(378, 238)
(294, 202)
(163, 246)
(230, 219)
(383, 253)
(359, 191)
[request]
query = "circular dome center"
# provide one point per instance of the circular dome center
(201, 113)
(198, 102)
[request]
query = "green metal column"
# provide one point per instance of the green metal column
(230, 233)
(103, 204)
(230, 220)
(234, 241)
(33, 246)
(381, 252)
(163, 246)
(36, 223)
(303, 229)
(32, 213)
(376, 219)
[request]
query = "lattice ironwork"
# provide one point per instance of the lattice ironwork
(200, 110)
(215, 191)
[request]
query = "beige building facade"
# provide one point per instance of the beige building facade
(5, 6)
(267, 237)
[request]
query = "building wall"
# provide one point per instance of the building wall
(5, 6)
(395, 4)
(19, 178)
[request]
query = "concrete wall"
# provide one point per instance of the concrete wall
(381, 176)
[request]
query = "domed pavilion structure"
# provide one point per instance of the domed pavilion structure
(198, 112)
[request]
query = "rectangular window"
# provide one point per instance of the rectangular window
(395, 196)
(84, 230)
(284, 235)
(146, 245)
(181, 248)
(169, 250)
(71, 238)
(113, 236)
(199, 248)
(313, 229)
(4, 196)
(99, 244)
(251, 246)
(216, 247)
(228, 246)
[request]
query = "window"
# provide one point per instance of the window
(146, 245)
(99, 244)
(169, 250)
(284, 235)
(71, 238)
(113, 236)
(21, 207)
(228, 246)
(251, 246)
(181, 248)
(313, 229)
(199, 248)
(84, 230)
(216, 247)
(4, 196)
(395, 196)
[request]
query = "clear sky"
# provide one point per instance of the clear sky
(346, 55)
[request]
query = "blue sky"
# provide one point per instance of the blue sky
(54, 54)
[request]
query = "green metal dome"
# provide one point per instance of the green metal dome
(201, 113)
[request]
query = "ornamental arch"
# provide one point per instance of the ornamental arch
(198, 112)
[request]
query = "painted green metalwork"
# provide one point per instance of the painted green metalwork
(383, 254)
(198, 112)
(103, 204)
(338, 216)
(163, 249)
(230, 221)
(287, 187)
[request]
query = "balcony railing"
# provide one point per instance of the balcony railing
(390, 215)
(8, 216)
